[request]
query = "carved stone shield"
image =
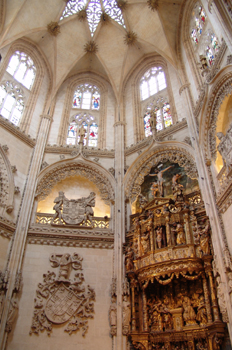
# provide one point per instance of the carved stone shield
(62, 305)
(73, 211)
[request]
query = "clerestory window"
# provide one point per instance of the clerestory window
(87, 96)
(22, 68)
(11, 102)
(152, 82)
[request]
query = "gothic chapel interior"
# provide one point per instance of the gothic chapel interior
(116, 174)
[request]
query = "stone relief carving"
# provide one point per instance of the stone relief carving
(6, 181)
(60, 300)
(74, 211)
(225, 147)
(144, 165)
(113, 308)
(11, 315)
(60, 172)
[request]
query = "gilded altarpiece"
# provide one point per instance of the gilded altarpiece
(168, 260)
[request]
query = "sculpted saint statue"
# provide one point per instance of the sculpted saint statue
(159, 236)
(189, 315)
(204, 239)
(58, 206)
(82, 133)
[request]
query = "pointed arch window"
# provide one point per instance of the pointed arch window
(87, 96)
(163, 115)
(152, 82)
(22, 68)
(11, 102)
(89, 123)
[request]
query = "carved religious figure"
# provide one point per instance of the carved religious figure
(159, 174)
(225, 146)
(180, 234)
(129, 259)
(204, 239)
(189, 315)
(126, 315)
(159, 236)
(113, 317)
(82, 133)
(201, 312)
(142, 201)
(154, 189)
(145, 243)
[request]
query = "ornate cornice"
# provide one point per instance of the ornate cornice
(16, 132)
(150, 159)
(7, 227)
(71, 237)
(86, 151)
(63, 169)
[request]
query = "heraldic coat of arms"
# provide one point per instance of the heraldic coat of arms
(60, 300)
(74, 211)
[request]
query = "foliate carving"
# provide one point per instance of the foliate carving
(61, 300)
(53, 28)
(5, 148)
(61, 172)
(74, 211)
(144, 165)
(229, 59)
(11, 315)
(44, 165)
(188, 140)
(225, 146)
(16, 190)
(112, 171)
(13, 169)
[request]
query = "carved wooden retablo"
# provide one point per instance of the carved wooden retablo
(168, 260)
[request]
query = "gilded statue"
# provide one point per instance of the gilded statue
(154, 189)
(180, 234)
(129, 256)
(159, 236)
(142, 201)
(189, 315)
(204, 239)
(201, 312)
(145, 243)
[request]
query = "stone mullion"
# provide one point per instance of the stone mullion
(18, 244)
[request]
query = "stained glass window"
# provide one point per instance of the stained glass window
(212, 48)
(22, 68)
(152, 82)
(88, 122)
(11, 102)
(94, 10)
(199, 21)
(163, 115)
(86, 96)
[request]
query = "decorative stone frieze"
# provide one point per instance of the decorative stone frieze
(61, 300)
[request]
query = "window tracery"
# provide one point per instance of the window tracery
(87, 96)
(94, 10)
(22, 68)
(11, 102)
(162, 110)
(152, 81)
(88, 121)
